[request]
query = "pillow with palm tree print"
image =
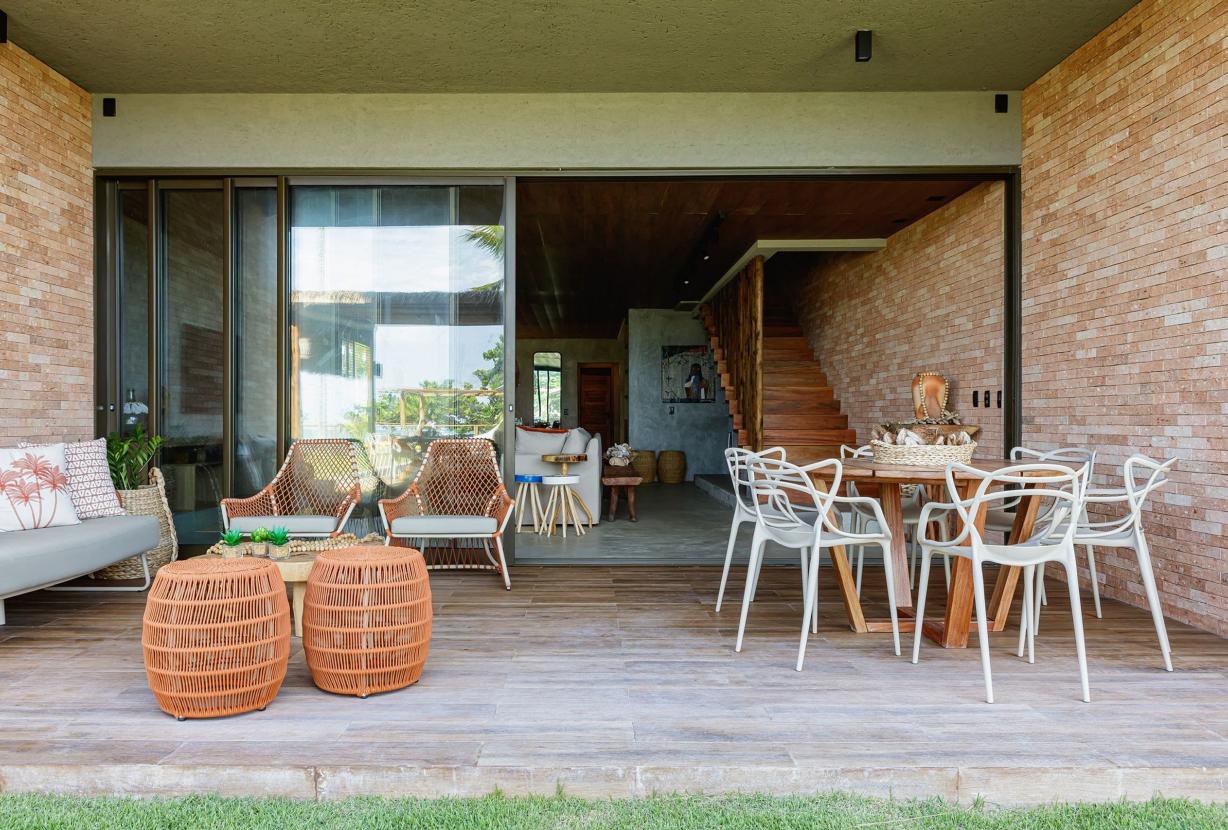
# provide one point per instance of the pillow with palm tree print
(34, 489)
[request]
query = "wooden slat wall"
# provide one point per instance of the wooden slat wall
(734, 319)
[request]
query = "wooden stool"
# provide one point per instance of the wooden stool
(562, 504)
(619, 480)
(216, 636)
(527, 495)
(367, 619)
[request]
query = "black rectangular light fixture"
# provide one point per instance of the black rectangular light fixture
(863, 40)
(1000, 102)
(4, 27)
(108, 107)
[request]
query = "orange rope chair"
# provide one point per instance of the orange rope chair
(367, 619)
(216, 636)
(457, 495)
(313, 494)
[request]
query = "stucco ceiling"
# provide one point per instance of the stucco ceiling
(552, 45)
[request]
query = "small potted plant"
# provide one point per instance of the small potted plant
(260, 536)
(279, 543)
(231, 540)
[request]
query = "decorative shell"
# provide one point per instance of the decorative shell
(908, 438)
(959, 439)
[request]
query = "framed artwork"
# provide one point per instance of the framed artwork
(688, 374)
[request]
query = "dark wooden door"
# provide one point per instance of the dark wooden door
(595, 400)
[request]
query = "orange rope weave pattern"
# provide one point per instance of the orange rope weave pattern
(367, 619)
(216, 636)
(318, 478)
(458, 477)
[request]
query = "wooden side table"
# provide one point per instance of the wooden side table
(564, 499)
(621, 480)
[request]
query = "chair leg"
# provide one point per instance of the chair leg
(810, 605)
(519, 500)
(1076, 615)
(892, 611)
(912, 554)
(1041, 597)
(1091, 575)
(507, 578)
(733, 538)
(1153, 597)
(919, 620)
(946, 570)
(1029, 589)
(982, 628)
(756, 551)
(753, 573)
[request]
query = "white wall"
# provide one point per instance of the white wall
(506, 132)
(701, 430)
(574, 352)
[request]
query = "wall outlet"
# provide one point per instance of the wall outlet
(671, 410)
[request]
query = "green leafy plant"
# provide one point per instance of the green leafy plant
(260, 534)
(232, 537)
(128, 457)
(279, 536)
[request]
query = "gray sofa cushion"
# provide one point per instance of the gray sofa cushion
(459, 526)
(30, 559)
(292, 524)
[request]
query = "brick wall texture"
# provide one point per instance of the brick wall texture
(1125, 250)
(930, 301)
(1125, 189)
(46, 253)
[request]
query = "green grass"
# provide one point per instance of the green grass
(38, 812)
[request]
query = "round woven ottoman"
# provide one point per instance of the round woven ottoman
(367, 619)
(216, 636)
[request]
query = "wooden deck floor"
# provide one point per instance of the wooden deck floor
(623, 681)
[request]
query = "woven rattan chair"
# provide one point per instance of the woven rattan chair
(457, 498)
(313, 494)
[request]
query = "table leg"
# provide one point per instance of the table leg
(298, 593)
(952, 632)
(584, 507)
(845, 582)
(893, 511)
(631, 503)
(613, 501)
(999, 607)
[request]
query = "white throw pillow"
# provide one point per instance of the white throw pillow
(34, 489)
(89, 479)
(577, 441)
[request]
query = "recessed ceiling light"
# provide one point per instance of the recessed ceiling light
(686, 282)
(707, 257)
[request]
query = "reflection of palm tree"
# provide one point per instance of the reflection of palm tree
(490, 239)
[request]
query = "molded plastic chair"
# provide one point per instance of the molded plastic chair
(1052, 542)
(736, 461)
(313, 494)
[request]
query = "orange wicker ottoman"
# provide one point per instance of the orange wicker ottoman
(367, 619)
(216, 636)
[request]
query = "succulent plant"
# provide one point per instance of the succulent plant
(279, 536)
(232, 537)
(260, 534)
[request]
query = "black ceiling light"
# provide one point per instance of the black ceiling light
(863, 40)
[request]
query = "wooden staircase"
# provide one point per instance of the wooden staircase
(800, 411)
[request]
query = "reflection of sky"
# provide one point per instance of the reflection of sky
(412, 258)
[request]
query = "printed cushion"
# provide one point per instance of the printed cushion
(34, 484)
(577, 441)
(89, 479)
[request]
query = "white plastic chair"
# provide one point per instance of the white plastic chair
(1052, 542)
(862, 519)
(737, 460)
(792, 512)
(1126, 531)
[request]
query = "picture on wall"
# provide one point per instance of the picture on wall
(688, 374)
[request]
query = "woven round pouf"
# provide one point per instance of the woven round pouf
(216, 636)
(367, 619)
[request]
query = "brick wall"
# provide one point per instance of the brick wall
(930, 301)
(46, 253)
(1125, 188)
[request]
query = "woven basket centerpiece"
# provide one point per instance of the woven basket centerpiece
(367, 619)
(216, 636)
(924, 455)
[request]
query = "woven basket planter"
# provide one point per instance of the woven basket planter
(926, 455)
(216, 636)
(149, 500)
(645, 463)
(367, 619)
(671, 466)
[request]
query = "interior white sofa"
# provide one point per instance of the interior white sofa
(532, 444)
(34, 559)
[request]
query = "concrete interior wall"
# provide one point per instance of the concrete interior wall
(574, 352)
(627, 131)
(701, 430)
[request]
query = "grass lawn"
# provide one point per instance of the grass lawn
(35, 812)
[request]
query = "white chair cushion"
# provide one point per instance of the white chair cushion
(292, 524)
(460, 526)
(577, 441)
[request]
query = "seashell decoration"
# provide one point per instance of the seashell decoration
(959, 439)
(908, 438)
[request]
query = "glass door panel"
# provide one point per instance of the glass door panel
(396, 318)
(255, 339)
(132, 335)
(191, 355)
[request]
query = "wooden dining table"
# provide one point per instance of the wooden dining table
(889, 479)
